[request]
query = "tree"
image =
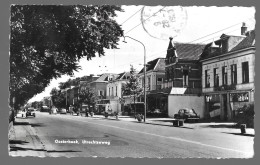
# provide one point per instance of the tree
(48, 41)
(133, 87)
(87, 96)
(58, 98)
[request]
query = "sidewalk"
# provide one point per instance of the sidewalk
(23, 140)
(205, 126)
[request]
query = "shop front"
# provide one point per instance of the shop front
(224, 105)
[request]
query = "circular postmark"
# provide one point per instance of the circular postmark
(163, 22)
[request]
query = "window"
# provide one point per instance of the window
(112, 91)
(116, 90)
(108, 91)
(234, 74)
(149, 83)
(207, 79)
(224, 75)
(216, 77)
(100, 93)
(245, 72)
(159, 81)
(185, 78)
(239, 97)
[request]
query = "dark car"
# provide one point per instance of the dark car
(45, 109)
(187, 115)
(30, 112)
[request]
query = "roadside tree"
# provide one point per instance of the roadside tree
(58, 98)
(87, 96)
(47, 41)
(133, 88)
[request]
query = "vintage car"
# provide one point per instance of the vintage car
(45, 109)
(21, 114)
(53, 110)
(63, 111)
(30, 112)
(187, 115)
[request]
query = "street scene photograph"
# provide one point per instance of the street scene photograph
(131, 81)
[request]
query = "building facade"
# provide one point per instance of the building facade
(228, 74)
(155, 75)
(182, 84)
(114, 93)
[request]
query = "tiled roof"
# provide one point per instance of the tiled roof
(184, 51)
(152, 64)
(247, 42)
(189, 51)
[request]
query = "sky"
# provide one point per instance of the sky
(186, 24)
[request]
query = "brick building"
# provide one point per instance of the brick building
(228, 74)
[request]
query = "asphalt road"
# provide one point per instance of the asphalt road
(46, 135)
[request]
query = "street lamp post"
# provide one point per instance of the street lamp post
(144, 72)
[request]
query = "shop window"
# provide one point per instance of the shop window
(224, 75)
(245, 72)
(216, 77)
(239, 97)
(234, 74)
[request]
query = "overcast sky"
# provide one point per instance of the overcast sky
(185, 24)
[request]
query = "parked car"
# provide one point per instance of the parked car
(45, 109)
(187, 115)
(54, 111)
(21, 113)
(63, 111)
(30, 112)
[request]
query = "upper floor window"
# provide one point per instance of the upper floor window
(224, 75)
(207, 79)
(100, 93)
(112, 91)
(159, 81)
(185, 77)
(116, 90)
(149, 83)
(245, 72)
(108, 91)
(216, 77)
(234, 74)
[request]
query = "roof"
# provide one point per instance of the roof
(184, 51)
(157, 64)
(247, 42)
(239, 42)
(103, 77)
(122, 76)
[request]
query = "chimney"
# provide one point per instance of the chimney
(243, 29)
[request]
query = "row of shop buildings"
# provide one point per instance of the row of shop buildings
(214, 79)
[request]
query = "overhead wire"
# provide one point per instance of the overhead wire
(146, 19)
(188, 42)
(131, 16)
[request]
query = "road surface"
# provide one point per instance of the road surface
(76, 136)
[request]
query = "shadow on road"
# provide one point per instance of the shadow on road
(27, 123)
(251, 135)
(221, 126)
(15, 148)
(162, 125)
(17, 142)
